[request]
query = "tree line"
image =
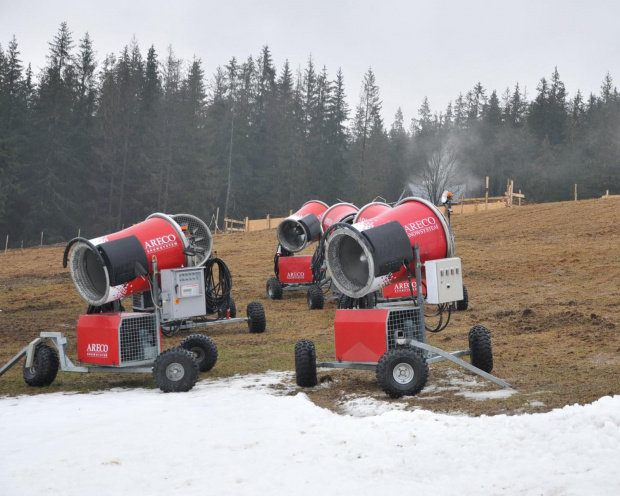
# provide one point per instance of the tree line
(99, 145)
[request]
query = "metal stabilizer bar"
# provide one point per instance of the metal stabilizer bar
(27, 350)
(458, 361)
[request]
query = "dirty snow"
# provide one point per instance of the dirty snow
(241, 436)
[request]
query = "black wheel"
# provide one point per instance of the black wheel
(305, 363)
(402, 371)
(226, 307)
(368, 301)
(274, 289)
(44, 366)
(480, 348)
(232, 306)
(344, 301)
(464, 303)
(315, 298)
(203, 348)
(169, 329)
(256, 317)
(175, 370)
(113, 306)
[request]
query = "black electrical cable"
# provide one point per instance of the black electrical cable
(217, 287)
(440, 308)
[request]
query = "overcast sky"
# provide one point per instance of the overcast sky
(429, 48)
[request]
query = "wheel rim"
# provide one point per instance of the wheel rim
(403, 373)
(175, 372)
(199, 354)
(33, 370)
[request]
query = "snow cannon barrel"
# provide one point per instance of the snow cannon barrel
(340, 212)
(370, 210)
(114, 266)
(302, 228)
(368, 255)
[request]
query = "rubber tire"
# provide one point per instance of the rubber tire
(394, 358)
(223, 310)
(274, 289)
(316, 300)
(480, 348)
(345, 302)
(203, 348)
(257, 323)
(305, 364)
(464, 303)
(365, 302)
(185, 361)
(44, 367)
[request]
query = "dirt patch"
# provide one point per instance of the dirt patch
(545, 279)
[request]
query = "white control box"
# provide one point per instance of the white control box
(444, 280)
(183, 293)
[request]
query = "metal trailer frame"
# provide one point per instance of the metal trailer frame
(66, 365)
(433, 354)
(190, 323)
(60, 341)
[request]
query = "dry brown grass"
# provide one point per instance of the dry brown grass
(545, 279)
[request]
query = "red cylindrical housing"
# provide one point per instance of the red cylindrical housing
(340, 212)
(370, 210)
(114, 266)
(303, 227)
(371, 254)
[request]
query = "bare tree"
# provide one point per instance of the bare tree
(438, 171)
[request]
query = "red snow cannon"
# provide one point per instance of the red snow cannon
(370, 210)
(114, 266)
(340, 212)
(368, 255)
(302, 228)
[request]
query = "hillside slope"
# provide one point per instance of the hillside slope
(545, 279)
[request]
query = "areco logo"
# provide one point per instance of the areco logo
(421, 226)
(295, 275)
(403, 287)
(96, 348)
(160, 242)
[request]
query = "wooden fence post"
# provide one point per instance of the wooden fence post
(217, 215)
(268, 221)
(247, 224)
(575, 192)
(6, 245)
(519, 197)
(41, 238)
(486, 195)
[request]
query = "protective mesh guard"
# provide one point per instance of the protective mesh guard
(200, 237)
(90, 278)
(404, 326)
(141, 302)
(349, 262)
(138, 341)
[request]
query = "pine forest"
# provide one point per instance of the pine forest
(96, 145)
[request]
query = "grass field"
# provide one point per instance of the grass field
(545, 279)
